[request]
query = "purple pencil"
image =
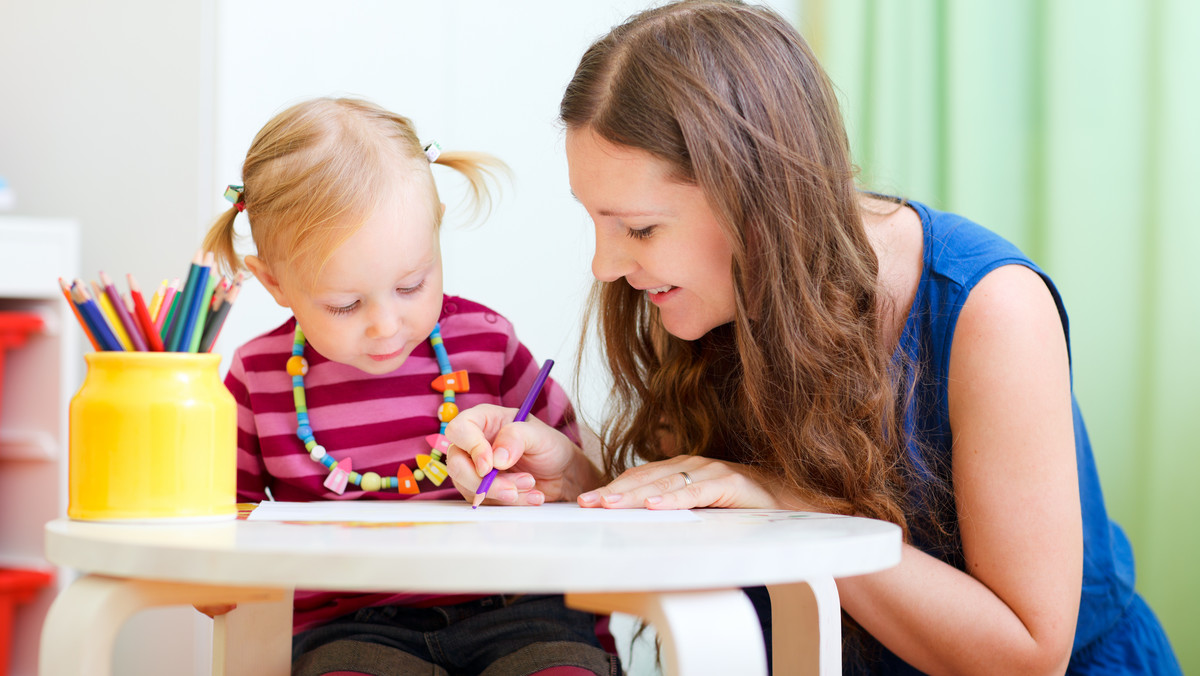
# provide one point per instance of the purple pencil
(534, 390)
(118, 303)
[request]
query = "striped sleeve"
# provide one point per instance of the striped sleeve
(251, 473)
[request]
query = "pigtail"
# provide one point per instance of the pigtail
(220, 240)
(480, 170)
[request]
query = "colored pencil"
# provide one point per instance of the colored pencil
(526, 406)
(91, 312)
(164, 308)
(202, 313)
(110, 315)
(87, 329)
(221, 292)
(156, 300)
(192, 310)
(143, 315)
(130, 325)
(179, 313)
(217, 319)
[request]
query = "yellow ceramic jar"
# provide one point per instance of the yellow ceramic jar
(153, 437)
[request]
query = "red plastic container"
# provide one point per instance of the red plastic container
(16, 586)
(15, 328)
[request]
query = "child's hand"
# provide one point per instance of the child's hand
(535, 462)
(687, 482)
(216, 609)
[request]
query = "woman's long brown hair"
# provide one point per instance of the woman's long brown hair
(800, 383)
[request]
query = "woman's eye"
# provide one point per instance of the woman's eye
(406, 290)
(640, 233)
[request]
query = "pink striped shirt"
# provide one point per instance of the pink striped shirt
(378, 420)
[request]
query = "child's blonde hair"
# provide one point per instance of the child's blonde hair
(318, 170)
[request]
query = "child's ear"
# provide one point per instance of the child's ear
(262, 272)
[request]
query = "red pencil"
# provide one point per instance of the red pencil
(143, 315)
(78, 317)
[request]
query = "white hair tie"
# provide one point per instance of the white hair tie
(433, 150)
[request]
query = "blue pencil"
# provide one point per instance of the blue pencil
(184, 339)
(95, 320)
(178, 318)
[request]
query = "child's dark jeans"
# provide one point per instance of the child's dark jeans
(493, 636)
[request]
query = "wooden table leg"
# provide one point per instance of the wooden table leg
(254, 639)
(703, 633)
(806, 628)
(83, 621)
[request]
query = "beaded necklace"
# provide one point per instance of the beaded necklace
(342, 472)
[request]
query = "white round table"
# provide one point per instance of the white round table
(684, 578)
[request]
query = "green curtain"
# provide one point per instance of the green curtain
(1071, 128)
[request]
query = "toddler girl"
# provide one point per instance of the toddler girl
(347, 399)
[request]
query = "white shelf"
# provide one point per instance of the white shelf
(39, 378)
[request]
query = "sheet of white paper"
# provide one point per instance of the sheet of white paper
(415, 511)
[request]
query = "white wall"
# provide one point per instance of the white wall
(477, 76)
(131, 116)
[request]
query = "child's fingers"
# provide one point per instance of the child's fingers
(216, 609)
(461, 469)
(472, 429)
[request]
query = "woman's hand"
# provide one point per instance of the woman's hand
(535, 462)
(685, 482)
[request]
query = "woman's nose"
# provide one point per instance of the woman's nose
(610, 262)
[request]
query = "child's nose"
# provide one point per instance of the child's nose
(383, 323)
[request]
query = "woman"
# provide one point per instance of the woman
(778, 338)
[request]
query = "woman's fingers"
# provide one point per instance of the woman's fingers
(681, 483)
(634, 490)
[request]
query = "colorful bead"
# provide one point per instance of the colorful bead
(304, 432)
(370, 482)
(433, 469)
(418, 474)
(406, 481)
(336, 481)
(438, 442)
(456, 382)
(447, 411)
(297, 366)
(316, 452)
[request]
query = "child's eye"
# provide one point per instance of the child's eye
(640, 233)
(406, 290)
(341, 310)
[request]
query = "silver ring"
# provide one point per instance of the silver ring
(687, 480)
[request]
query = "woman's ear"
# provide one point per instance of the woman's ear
(262, 272)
